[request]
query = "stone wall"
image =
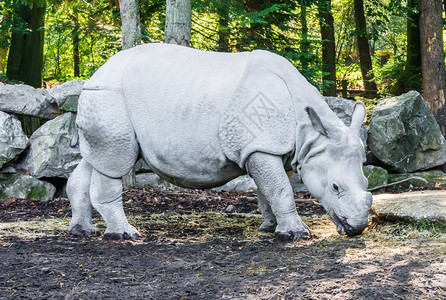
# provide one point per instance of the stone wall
(403, 141)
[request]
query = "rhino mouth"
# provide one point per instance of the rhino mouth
(343, 227)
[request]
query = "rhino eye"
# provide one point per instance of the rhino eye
(335, 187)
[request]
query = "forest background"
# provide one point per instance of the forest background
(353, 48)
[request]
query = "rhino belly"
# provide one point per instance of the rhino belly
(186, 153)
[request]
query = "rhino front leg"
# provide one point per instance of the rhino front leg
(269, 219)
(78, 191)
(106, 198)
(272, 182)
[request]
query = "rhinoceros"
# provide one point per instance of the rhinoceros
(200, 119)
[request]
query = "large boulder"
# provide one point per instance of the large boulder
(297, 184)
(154, 180)
(25, 100)
(50, 153)
(343, 108)
(13, 140)
(26, 187)
(67, 94)
(405, 135)
(241, 184)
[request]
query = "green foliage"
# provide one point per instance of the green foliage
(8, 22)
(227, 25)
(3, 77)
(268, 25)
(31, 3)
(434, 227)
(97, 28)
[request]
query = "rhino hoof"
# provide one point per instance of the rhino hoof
(292, 235)
(79, 230)
(121, 236)
(268, 227)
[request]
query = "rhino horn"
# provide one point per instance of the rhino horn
(324, 128)
(359, 115)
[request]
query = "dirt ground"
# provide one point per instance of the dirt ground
(192, 249)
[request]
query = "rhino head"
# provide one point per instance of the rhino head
(332, 171)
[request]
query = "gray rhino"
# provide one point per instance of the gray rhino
(200, 119)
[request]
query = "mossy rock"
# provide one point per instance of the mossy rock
(376, 176)
(27, 187)
(405, 135)
(427, 177)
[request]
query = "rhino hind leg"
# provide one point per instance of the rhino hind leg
(273, 185)
(106, 198)
(108, 143)
(78, 190)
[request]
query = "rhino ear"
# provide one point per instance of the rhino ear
(358, 116)
(316, 121)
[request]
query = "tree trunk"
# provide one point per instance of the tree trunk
(131, 37)
(223, 29)
(75, 38)
(432, 58)
(328, 48)
(365, 60)
(304, 45)
(178, 22)
(131, 23)
(413, 61)
(25, 60)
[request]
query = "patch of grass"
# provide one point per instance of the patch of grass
(199, 226)
(33, 229)
(409, 234)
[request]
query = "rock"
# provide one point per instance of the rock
(412, 207)
(67, 94)
(405, 135)
(13, 140)
(8, 170)
(422, 179)
(343, 108)
(142, 167)
(376, 176)
(50, 154)
(230, 209)
(296, 183)
(154, 180)
(241, 184)
(26, 187)
(25, 100)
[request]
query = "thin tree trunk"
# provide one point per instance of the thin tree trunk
(365, 60)
(178, 22)
(131, 23)
(328, 48)
(432, 58)
(304, 45)
(410, 79)
(223, 28)
(75, 38)
(25, 60)
(413, 62)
